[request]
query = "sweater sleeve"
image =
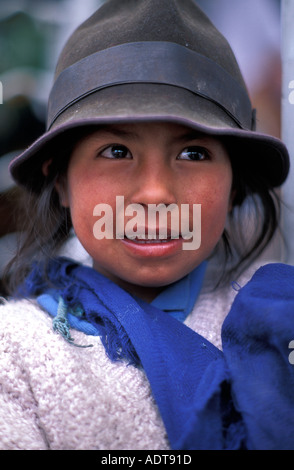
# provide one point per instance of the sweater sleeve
(19, 425)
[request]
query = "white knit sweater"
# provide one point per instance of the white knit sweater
(61, 397)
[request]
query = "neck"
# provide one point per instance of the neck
(146, 293)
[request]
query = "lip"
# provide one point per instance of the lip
(153, 249)
(151, 232)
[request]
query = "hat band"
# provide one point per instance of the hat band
(150, 62)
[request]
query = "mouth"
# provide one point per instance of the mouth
(157, 246)
(151, 241)
(153, 235)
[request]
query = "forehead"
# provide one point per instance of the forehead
(168, 131)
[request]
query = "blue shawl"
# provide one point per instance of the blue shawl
(240, 398)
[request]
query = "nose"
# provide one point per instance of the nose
(154, 184)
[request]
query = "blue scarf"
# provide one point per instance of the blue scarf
(206, 397)
(178, 300)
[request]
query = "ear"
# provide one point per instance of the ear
(61, 188)
(60, 184)
(231, 200)
(45, 167)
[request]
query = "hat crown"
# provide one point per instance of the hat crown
(139, 60)
(125, 21)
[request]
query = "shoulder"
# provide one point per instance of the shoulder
(20, 309)
(27, 335)
(273, 278)
(271, 285)
(267, 299)
(21, 318)
(214, 304)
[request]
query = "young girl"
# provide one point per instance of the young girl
(148, 109)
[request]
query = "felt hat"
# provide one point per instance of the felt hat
(150, 60)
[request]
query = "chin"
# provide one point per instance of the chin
(153, 281)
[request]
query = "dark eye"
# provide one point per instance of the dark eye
(116, 152)
(194, 154)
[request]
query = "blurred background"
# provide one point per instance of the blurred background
(32, 33)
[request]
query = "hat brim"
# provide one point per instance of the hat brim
(262, 154)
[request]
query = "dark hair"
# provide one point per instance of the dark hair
(43, 226)
(255, 217)
(252, 223)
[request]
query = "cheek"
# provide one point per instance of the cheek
(84, 194)
(81, 201)
(214, 195)
(215, 207)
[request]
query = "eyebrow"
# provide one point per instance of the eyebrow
(191, 135)
(188, 135)
(119, 132)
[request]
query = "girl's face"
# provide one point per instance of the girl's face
(147, 163)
